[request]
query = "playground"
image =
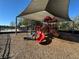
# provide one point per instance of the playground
(44, 30)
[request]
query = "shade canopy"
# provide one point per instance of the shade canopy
(37, 16)
(38, 9)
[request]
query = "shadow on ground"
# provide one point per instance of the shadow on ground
(47, 40)
(63, 35)
(69, 37)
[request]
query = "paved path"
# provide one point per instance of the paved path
(58, 49)
(5, 41)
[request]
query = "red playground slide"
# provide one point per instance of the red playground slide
(41, 36)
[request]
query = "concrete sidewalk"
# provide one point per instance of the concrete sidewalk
(4, 46)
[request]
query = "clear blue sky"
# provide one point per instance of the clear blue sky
(9, 9)
(74, 8)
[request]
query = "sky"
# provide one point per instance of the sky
(73, 8)
(9, 9)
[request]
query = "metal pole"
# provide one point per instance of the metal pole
(73, 27)
(16, 26)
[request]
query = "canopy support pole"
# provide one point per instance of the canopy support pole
(16, 26)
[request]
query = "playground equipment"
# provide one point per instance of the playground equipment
(37, 10)
(44, 32)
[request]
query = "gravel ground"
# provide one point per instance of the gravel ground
(58, 49)
(3, 40)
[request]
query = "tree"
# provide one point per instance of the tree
(76, 20)
(23, 22)
(12, 23)
(64, 25)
